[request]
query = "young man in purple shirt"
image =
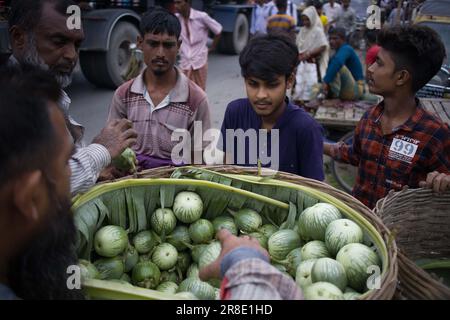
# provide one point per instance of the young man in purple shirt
(266, 126)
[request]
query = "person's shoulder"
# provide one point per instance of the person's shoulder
(432, 122)
(236, 111)
(196, 14)
(124, 89)
(372, 112)
(290, 18)
(238, 105)
(196, 94)
(348, 47)
(301, 119)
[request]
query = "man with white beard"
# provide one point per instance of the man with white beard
(39, 36)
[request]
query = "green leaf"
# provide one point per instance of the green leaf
(217, 205)
(103, 210)
(132, 218)
(167, 194)
(152, 200)
(136, 199)
(309, 201)
(300, 202)
(290, 222)
(115, 201)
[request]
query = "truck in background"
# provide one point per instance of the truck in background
(111, 28)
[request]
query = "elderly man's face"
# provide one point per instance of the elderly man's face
(53, 46)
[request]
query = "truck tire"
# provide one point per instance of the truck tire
(234, 42)
(105, 69)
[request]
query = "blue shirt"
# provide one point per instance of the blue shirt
(345, 56)
(300, 139)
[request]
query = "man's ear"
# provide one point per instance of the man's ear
(27, 195)
(179, 44)
(18, 38)
(402, 77)
(291, 80)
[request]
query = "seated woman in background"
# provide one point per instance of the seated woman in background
(314, 49)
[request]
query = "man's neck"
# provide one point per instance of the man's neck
(338, 47)
(268, 122)
(399, 106)
(163, 81)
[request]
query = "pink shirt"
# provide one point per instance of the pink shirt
(193, 51)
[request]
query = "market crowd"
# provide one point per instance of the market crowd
(45, 160)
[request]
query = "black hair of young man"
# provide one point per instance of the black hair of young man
(417, 49)
(317, 4)
(158, 20)
(266, 57)
(281, 5)
(371, 36)
(26, 14)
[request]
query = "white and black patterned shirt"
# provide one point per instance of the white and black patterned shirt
(88, 161)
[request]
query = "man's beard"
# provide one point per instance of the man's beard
(40, 271)
(32, 57)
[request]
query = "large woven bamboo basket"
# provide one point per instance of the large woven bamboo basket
(389, 279)
(420, 222)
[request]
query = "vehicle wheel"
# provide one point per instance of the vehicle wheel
(106, 69)
(234, 42)
(345, 174)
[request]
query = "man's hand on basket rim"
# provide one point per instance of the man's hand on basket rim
(439, 182)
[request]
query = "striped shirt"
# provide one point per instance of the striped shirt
(403, 157)
(88, 161)
(281, 23)
(249, 276)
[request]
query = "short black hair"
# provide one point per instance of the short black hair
(340, 32)
(27, 136)
(371, 35)
(417, 49)
(318, 4)
(27, 13)
(281, 4)
(158, 20)
(31, 79)
(268, 56)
